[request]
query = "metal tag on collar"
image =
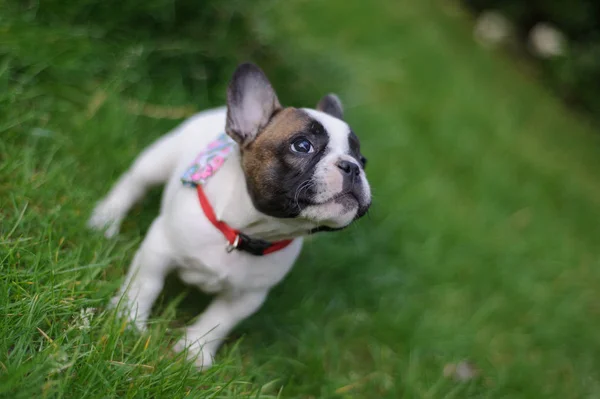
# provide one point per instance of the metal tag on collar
(230, 247)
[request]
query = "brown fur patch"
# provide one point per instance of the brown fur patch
(261, 154)
(278, 179)
(283, 125)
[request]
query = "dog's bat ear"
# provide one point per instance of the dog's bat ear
(251, 101)
(331, 104)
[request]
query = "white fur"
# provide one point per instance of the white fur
(182, 238)
(327, 177)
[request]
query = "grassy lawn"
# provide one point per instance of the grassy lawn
(482, 244)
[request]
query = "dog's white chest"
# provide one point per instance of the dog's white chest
(211, 281)
(212, 269)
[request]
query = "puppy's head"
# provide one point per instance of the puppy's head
(298, 163)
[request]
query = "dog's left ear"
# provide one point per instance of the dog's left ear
(251, 101)
(331, 104)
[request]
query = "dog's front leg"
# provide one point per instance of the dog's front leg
(146, 276)
(204, 337)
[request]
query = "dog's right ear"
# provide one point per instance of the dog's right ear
(251, 101)
(331, 104)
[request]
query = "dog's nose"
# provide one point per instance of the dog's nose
(349, 168)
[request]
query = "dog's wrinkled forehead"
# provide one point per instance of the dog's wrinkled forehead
(338, 131)
(282, 126)
(331, 133)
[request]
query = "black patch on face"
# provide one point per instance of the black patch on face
(352, 181)
(354, 145)
(286, 187)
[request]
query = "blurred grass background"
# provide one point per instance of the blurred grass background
(570, 30)
(481, 245)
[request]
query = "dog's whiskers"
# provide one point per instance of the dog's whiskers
(306, 185)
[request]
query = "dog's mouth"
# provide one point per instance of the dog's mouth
(339, 210)
(346, 196)
(343, 196)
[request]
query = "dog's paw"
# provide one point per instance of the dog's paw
(125, 311)
(195, 352)
(107, 218)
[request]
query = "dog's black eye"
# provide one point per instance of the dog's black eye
(302, 146)
(363, 161)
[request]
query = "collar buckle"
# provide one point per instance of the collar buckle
(231, 246)
(241, 242)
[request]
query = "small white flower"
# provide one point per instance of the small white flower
(83, 321)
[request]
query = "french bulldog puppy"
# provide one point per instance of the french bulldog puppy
(282, 173)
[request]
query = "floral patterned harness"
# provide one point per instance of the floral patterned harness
(208, 162)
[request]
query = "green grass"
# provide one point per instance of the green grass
(481, 244)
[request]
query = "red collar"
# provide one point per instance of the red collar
(236, 239)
